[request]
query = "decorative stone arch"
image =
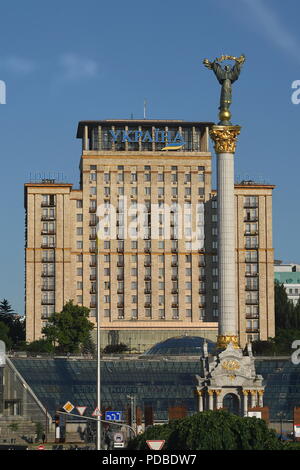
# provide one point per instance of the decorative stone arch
(231, 400)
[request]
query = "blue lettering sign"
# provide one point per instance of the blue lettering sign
(114, 135)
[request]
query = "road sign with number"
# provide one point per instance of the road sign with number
(155, 445)
(113, 415)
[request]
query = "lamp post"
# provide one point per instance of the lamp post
(98, 443)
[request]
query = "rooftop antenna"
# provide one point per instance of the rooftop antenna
(145, 107)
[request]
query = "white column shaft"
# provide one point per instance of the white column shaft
(226, 247)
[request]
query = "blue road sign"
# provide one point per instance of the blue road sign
(113, 415)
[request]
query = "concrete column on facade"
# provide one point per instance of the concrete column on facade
(210, 399)
(245, 393)
(261, 398)
(225, 138)
(200, 400)
(86, 138)
(253, 398)
(219, 399)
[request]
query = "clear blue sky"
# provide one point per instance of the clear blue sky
(65, 61)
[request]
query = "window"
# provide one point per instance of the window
(79, 244)
(79, 285)
(79, 230)
(79, 271)
(79, 203)
(160, 177)
(79, 217)
(93, 176)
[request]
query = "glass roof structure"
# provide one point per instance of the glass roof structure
(181, 346)
(159, 382)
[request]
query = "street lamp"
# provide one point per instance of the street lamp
(98, 444)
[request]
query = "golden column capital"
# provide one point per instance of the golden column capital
(261, 392)
(199, 392)
(211, 392)
(253, 392)
(223, 341)
(224, 138)
(245, 392)
(218, 392)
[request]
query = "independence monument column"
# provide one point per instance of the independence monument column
(224, 136)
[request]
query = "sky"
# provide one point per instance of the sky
(65, 61)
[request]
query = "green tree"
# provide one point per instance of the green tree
(284, 308)
(69, 329)
(40, 346)
(211, 430)
(4, 335)
(115, 348)
(15, 325)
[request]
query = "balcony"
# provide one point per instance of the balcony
(174, 264)
(250, 274)
(174, 249)
(202, 291)
(46, 218)
(251, 260)
(147, 278)
(93, 291)
(120, 249)
(252, 247)
(48, 204)
(46, 288)
(44, 274)
(120, 277)
(93, 304)
(48, 302)
(92, 210)
(120, 291)
(120, 264)
(93, 264)
(251, 288)
(147, 305)
(251, 219)
(252, 330)
(252, 301)
(250, 205)
(147, 291)
(92, 223)
(147, 250)
(48, 260)
(147, 264)
(48, 232)
(174, 291)
(249, 233)
(93, 277)
(93, 236)
(201, 278)
(174, 305)
(174, 278)
(120, 304)
(201, 264)
(92, 250)
(252, 316)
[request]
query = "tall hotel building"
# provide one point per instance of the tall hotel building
(155, 281)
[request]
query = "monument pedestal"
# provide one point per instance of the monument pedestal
(229, 381)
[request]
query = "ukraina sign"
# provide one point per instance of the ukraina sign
(147, 136)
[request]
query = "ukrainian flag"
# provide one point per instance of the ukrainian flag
(174, 146)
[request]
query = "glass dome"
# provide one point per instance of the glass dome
(181, 346)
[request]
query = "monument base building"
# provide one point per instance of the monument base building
(143, 225)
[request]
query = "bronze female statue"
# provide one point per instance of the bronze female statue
(226, 76)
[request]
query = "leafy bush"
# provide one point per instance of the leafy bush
(211, 430)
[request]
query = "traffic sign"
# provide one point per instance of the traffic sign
(96, 412)
(40, 447)
(81, 409)
(68, 407)
(155, 445)
(113, 415)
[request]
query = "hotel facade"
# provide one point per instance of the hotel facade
(140, 235)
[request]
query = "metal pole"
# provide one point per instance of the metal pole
(98, 446)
